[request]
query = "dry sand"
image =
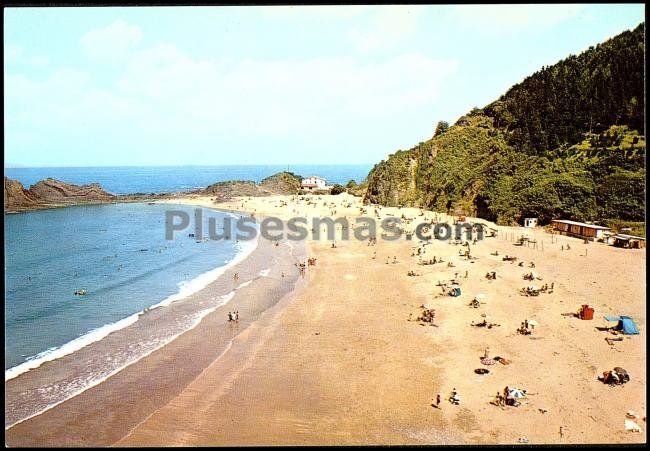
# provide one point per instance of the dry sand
(344, 362)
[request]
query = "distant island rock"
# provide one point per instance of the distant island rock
(281, 183)
(51, 193)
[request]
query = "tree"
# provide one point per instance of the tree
(337, 189)
(442, 127)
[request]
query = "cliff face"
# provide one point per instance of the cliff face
(567, 142)
(17, 197)
(51, 193)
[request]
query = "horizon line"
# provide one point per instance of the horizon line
(186, 165)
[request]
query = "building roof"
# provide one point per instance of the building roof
(314, 177)
(582, 224)
(628, 237)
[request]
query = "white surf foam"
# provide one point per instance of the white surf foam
(70, 347)
(203, 280)
(185, 289)
(195, 322)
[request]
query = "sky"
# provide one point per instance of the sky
(150, 86)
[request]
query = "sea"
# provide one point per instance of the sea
(160, 179)
(117, 255)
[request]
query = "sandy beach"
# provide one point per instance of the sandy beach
(338, 358)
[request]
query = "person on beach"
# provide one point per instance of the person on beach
(229, 316)
(454, 398)
(438, 400)
(237, 315)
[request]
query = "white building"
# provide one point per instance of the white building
(530, 222)
(314, 183)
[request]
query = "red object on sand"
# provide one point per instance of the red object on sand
(586, 312)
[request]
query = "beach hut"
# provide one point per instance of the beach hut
(579, 229)
(625, 324)
(629, 241)
(455, 291)
(530, 222)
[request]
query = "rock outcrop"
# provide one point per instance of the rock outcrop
(52, 193)
(281, 183)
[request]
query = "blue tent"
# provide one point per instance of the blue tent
(625, 323)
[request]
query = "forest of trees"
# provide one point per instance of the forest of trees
(586, 93)
(567, 142)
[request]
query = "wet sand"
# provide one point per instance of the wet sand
(105, 413)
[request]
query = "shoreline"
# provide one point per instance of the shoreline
(220, 287)
(347, 363)
(104, 413)
(342, 360)
(91, 336)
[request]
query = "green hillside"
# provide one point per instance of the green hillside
(566, 142)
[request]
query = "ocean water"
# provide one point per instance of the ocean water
(117, 252)
(128, 180)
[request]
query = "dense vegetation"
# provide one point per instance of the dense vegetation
(566, 142)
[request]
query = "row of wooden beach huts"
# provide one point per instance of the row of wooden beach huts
(593, 232)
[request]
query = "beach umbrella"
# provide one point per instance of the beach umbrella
(516, 393)
(480, 296)
(532, 322)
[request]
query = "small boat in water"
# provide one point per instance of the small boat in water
(80, 292)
